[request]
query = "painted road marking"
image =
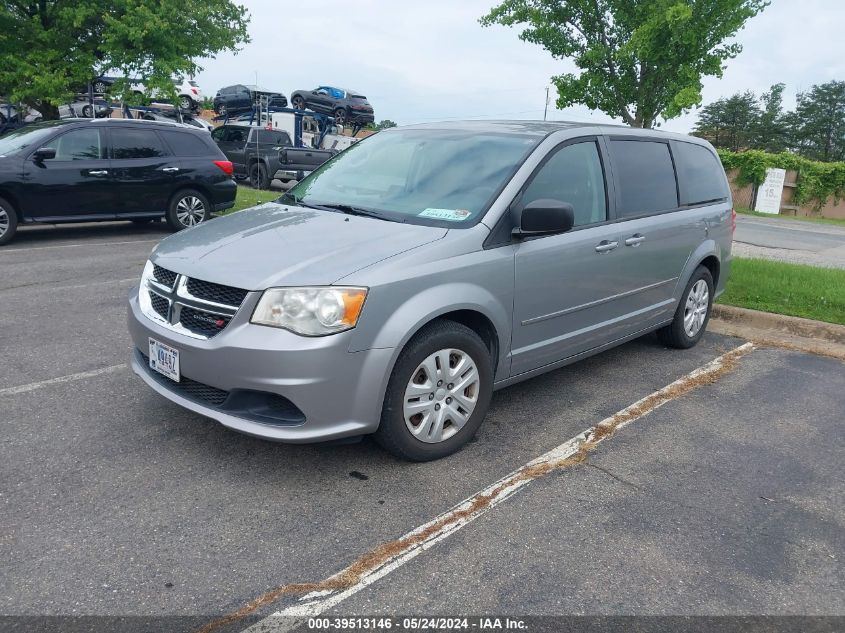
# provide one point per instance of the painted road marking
(11, 391)
(41, 248)
(319, 597)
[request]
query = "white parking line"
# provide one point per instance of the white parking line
(11, 391)
(321, 596)
(41, 248)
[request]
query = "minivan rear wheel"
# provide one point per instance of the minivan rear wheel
(8, 222)
(188, 208)
(438, 393)
(693, 313)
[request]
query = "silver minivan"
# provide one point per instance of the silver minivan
(395, 288)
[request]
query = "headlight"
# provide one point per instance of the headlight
(310, 311)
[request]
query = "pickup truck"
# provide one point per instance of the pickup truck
(262, 154)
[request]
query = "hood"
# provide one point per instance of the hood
(277, 245)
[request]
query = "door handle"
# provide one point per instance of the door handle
(635, 240)
(170, 169)
(605, 246)
(98, 172)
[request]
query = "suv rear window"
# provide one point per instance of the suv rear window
(646, 177)
(700, 174)
(186, 144)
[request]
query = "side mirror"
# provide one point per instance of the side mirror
(44, 153)
(545, 216)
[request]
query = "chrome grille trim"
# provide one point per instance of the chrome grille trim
(178, 297)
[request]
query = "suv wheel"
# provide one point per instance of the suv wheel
(438, 393)
(100, 87)
(8, 222)
(188, 208)
(186, 103)
(691, 317)
(258, 177)
(220, 109)
(340, 116)
(298, 102)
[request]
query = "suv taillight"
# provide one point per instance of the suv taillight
(733, 220)
(225, 166)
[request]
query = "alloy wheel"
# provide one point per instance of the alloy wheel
(695, 310)
(441, 395)
(190, 211)
(4, 221)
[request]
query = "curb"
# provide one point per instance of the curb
(777, 330)
(805, 328)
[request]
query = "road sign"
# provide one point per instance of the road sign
(770, 192)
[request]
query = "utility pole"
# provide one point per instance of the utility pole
(546, 109)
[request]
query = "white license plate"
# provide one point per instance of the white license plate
(164, 359)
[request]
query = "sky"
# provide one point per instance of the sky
(430, 61)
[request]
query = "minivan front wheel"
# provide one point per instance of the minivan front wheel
(188, 208)
(8, 222)
(438, 393)
(693, 312)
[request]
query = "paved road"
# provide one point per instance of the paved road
(115, 501)
(790, 241)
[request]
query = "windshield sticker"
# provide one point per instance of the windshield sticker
(453, 215)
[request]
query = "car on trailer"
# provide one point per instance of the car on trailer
(344, 105)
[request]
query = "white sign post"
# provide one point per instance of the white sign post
(770, 192)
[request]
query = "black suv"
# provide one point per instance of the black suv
(240, 98)
(83, 170)
(344, 105)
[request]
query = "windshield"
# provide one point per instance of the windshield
(28, 136)
(440, 177)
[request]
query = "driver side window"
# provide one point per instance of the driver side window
(573, 174)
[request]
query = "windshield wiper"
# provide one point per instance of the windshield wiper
(353, 210)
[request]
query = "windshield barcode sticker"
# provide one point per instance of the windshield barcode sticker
(453, 215)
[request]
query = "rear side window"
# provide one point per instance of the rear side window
(700, 174)
(127, 143)
(646, 177)
(185, 144)
(274, 137)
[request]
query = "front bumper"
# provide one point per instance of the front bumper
(339, 393)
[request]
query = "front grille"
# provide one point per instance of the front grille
(194, 307)
(217, 292)
(191, 389)
(201, 322)
(163, 276)
(159, 304)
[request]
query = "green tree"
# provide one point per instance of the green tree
(53, 48)
(771, 132)
(384, 124)
(637, 59)
(819, 122)
(730, 123)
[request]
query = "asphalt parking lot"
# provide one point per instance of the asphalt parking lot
(728, 500)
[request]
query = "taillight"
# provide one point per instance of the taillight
(225, 166)
(195, 91)
(733, 220)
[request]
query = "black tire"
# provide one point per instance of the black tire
(8, 222)
(176, 210)
(220, 109)
(100, 87)
(88, 111)
(258, 176)
(393, 434)
(186, 103)
(340, 116)
(298, 102)
(675, 334)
